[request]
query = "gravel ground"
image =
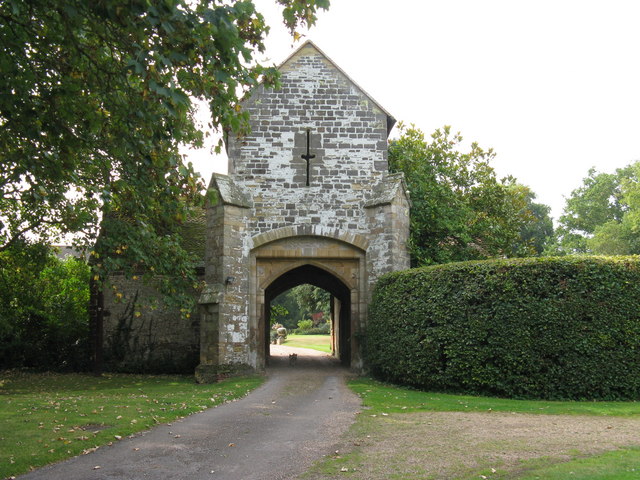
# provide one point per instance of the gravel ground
(276, 432)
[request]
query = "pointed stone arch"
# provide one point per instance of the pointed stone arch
(340, 314)
(278, 263)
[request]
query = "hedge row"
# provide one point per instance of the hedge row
(552, 328)
(322, 329)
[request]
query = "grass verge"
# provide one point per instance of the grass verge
(407, 434)
(321, 343)
(380, 397)
(623, 464)
(48, 417)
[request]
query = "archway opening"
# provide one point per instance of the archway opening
(340, 306)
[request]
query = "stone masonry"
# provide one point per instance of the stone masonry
(308, 199)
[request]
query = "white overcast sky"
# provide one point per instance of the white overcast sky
(553, 86)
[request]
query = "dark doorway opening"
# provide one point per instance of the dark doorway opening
(340, 305)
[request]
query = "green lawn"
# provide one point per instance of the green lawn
(314, 342)
(380, 397)
(385, 407)
(623, 464)
(48, 417)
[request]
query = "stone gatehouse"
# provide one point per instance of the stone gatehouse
(308, 199)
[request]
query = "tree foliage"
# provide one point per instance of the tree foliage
(95, 102)
(277, 313)
(460, 210)
(96, 99)
(286, 301)
(299, 303)
(43, 309)
(537, 233)
(311, 299)
(602, 216)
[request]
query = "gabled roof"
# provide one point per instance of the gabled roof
(390, 119)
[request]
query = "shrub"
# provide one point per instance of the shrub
(553, 328)
(43, 310)
(321, 329)
(305, 324)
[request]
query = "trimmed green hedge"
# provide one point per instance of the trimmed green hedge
(552, 328)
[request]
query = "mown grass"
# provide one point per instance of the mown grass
(321, 343)
(623, 464)
(381, 399)
(47, 417)
(620, 464)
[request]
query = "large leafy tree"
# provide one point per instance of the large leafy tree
(460, 210)
(96, 98)
(301, 302)
(311, 299)
(95, 101)
(601, 216)
(537, 232)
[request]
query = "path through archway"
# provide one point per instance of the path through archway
(340, 306)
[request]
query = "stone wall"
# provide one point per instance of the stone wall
(142, 335)
(348, 136)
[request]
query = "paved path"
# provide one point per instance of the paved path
(274, 433)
